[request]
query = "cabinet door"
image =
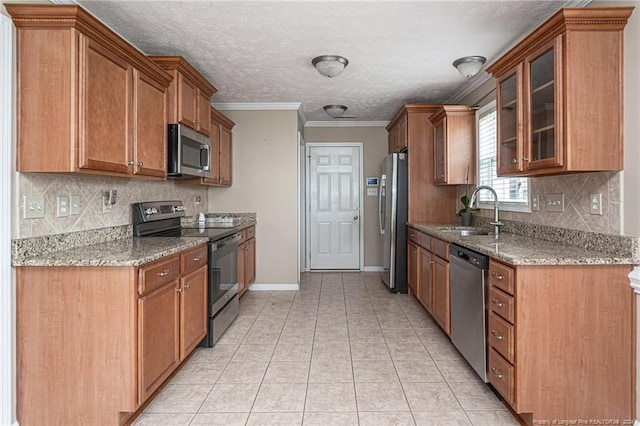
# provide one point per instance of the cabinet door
(105, 110)
(250, 262)
(441, 306)
(214, 139)
(402, 137)
(509, 122)
(425, 283)
(193, 310)
(440, 151)
(393, 140)
(542, 72)
(225, 156)
(149, 127)
(158, 337)
(204, 113)
(187, 101)
(412, 268)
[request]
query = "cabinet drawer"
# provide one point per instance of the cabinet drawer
(414, 235)
(251, 232)
(243, 236)
(500, 336)
(501, 304)
(425, 241)
(501, 276)
(501, 376)
(158, 274)
(440, 248)
(193, 259)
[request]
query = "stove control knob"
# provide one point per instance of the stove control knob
(149, 211)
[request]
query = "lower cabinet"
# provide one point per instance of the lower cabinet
(428, 275)
(246, 259)
(93, 343)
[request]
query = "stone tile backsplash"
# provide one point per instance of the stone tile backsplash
(576, 189)
(90, 189)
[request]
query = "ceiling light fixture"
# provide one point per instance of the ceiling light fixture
(330, 65)
(469, 65)
(335, 111)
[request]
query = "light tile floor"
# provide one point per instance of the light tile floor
(342, 350)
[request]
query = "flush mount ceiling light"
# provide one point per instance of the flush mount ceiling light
(330, 65)
(335, 111)
(469, 65)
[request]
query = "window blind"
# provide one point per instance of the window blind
(512, 192)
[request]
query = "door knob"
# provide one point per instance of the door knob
(356, 217)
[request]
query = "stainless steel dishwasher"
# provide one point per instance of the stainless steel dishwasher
(468, 286)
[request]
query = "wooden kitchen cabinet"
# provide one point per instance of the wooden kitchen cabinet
(413, 124)
(425, 280)
(454, 145)
(413, 264)
(189, 94)
(559, 95)
(246, 259)
(441, 309)
(550, 327)
(398, 136)
(88, 101)
(110, 338)
(250, 262)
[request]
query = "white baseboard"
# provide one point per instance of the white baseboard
(372, 269)
(637, 423)
(273, 287)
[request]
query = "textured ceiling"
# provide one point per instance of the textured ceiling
(398, 52)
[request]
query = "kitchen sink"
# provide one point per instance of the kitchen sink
(464, 232)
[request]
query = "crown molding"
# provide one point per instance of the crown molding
(257, 106)
(346, 124)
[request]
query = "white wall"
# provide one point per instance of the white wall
(265, 181)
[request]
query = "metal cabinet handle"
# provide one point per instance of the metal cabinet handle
(496, 335)
(497, 276)
(186, 286)
(525, 159)
(130, 163)
(164, 273)
(496, 373)
(179, 289)
(497, 303)
(140, 164)
(197, 258)
(514, 161)
(441, 176)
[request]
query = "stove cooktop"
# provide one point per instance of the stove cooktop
(211, 233)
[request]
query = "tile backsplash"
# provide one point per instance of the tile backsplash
(89, 189)
(577, 189)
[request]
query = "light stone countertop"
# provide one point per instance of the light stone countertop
(523, 250)
(123, 252)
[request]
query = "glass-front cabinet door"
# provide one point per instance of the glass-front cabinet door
(440, 152)
(544, 116)
(509, 105)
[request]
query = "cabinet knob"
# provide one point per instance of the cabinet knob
(496, 335)
(514, 161)
(197, 258)
(497, 276)
(496, 373)
(498, 303)
(130, 163)
(179, 289)
(164, 273)
(441, 176)
(140, 164)
(525, 159)
(186, 286)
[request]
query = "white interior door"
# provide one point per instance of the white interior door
(334, 206)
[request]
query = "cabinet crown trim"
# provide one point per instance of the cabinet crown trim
(219, 117)
(451, 110)
(75, 17)
(181, 65)
(566, 19)
(412, 108)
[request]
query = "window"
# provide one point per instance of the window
(513, 193)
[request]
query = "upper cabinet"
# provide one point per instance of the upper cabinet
(454, 145)
(559, 95)
(189, 94)
(398, 134)
(88, 102)
(221, 133)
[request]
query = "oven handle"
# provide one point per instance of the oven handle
(226, 241)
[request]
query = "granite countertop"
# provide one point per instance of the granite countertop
(523, 250)
(123, 252)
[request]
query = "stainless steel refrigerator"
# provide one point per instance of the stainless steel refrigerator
(392, 218)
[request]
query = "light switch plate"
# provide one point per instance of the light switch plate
(555, 202)
(372, 192)
(74, 204)
(33, 206)
(62, 204)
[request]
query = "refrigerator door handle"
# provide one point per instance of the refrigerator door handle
(381, 218)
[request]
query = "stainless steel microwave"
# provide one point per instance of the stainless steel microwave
(189, 153)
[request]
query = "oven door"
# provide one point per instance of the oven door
(223, 272)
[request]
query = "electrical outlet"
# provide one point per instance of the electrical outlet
(74, 204)
(197, 199)
(33, 206)
(535, 203)
(596, 204)
(63, 205)
(555, 202)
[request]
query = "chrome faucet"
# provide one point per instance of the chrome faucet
(496, 220)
